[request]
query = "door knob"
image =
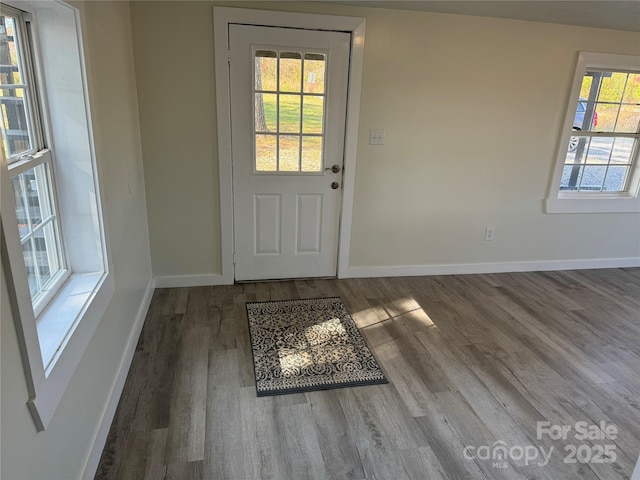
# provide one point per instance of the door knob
(334, 169)
(335, 185)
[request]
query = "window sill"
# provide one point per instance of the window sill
(57, 322)
(65, 329)
(586, 203)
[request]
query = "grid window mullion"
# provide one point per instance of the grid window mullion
(53, 260)
(278, 113)
(301, 111)
(25, 202)
(40, 226)
(36, 267)
(604, 178)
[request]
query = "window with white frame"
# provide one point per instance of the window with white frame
(52, 221)
(30, 162)
(597, 164)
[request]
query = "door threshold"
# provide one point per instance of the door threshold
(273, 280)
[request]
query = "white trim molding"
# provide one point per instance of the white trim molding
(502, 267)
(100, 437)
(178, 281)
(54, 338)
(222, 17)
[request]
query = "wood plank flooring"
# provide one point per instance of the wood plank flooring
(472, 360)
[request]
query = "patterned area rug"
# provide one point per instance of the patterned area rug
(305, 345)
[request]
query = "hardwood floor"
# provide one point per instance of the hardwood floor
(472, 360)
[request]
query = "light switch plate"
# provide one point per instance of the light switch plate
(376, 137)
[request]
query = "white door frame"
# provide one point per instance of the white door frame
(222, 17)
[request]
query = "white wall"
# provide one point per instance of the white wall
(60, 452)
(472, 109)
(173, 46)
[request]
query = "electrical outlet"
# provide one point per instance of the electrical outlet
(488, 233)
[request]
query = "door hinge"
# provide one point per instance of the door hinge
(234, 258)
(229, 57)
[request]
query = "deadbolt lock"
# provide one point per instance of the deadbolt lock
(335, 185)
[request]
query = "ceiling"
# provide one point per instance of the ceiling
(615, 14)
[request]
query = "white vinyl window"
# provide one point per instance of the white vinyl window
(52, 223)
(30, 162)
(597, 164)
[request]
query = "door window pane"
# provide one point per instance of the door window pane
(266, 153)
(288, 124)
(314, 70)
(313, 114)
(265, 112)
(311, 154)
(289, 160)
(266, 70)
(289, 116)
(290, 71)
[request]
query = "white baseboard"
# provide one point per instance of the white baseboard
(116, 388)
(503, 267)
(175, 281)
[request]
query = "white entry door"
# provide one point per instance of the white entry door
(288, 107)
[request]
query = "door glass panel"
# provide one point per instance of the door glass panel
(313, 114)
(266, 70)
(266, 153)
(311, 154)
(289, 124)
(314, 67)
(265, 112)
(290, 71)
(289, 153)
(289, 113)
